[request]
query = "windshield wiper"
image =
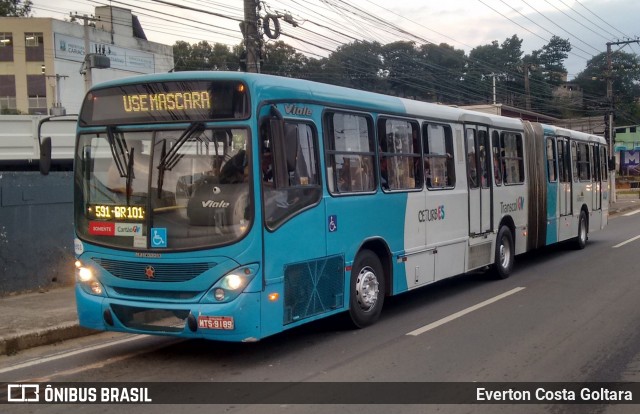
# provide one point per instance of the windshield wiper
(118, 149)
(171, 158)
(129, 174)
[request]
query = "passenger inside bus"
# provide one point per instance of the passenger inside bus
(236, 170)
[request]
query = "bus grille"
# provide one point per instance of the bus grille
(312, 288)
(162, 272)
(156, 294)
(151, 320)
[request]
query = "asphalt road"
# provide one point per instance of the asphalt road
(564, 316)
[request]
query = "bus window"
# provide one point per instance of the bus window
(399, 154)
(603, 162)
(350, 153)
(512, 154)
(303, 186)
(595, 162)
(483, 145)
(552, 175)
(563, 161)
(497, 162)
(582, 160)
(438, 156)
(472, 170)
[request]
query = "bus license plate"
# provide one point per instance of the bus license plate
(216, 322)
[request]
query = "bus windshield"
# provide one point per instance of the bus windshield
(168, 189)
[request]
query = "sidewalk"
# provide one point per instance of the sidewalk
(34, 319)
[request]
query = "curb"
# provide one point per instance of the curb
(12, 344)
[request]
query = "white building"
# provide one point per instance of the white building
(41, 58)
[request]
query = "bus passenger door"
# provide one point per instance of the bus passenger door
(595, 177)
(478, 168)
(564, 163)
(295, 264)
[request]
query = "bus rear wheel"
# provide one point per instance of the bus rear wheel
(367, 289)
(505, 253)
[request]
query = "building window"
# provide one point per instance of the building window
(6, 47)
(37, 90)
(34, 47)
(7, 94)
(32, 39)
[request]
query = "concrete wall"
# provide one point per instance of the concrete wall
(36, 231)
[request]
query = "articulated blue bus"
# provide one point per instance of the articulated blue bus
(233, 206)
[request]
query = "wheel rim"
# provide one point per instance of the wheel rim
(505, 253)
(367, 289)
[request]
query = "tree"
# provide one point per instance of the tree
(357, 65)
(204, 56)
(625, 76)
(283, 60)
(444, 67)
(15, 8)
(402, 66)
(550, 59)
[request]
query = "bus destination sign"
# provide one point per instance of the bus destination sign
(165, 102)
(116, 212)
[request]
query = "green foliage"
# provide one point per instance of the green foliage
(15, 8)
(204, 56)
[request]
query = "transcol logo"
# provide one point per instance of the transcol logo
(518, 205)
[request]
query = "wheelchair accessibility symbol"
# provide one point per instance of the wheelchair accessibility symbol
(333, 223)
(158, 237)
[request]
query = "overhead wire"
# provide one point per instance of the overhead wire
(378, 27)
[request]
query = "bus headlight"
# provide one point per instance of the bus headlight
(85, 274)
(232, 284)
(87, 280)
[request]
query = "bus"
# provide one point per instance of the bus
(233, 206)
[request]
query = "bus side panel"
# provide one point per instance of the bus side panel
(360, 218)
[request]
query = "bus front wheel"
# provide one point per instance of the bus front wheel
(505, 253)
(367, 289)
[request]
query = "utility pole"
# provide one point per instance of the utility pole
(527, 88)
(86, 67)
(609, 132)
(57, 108)
(493, 83)
(251, 36)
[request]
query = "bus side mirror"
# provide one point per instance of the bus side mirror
(612, 164)
(45, 155)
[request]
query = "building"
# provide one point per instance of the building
(41, 59)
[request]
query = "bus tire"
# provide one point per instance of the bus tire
(581, 238)
(505, 253)
(367, 289)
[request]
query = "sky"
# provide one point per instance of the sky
(322, 25)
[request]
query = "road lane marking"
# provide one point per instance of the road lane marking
(631, 213)
(55, 357)
(626, 242)
(463, 312)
